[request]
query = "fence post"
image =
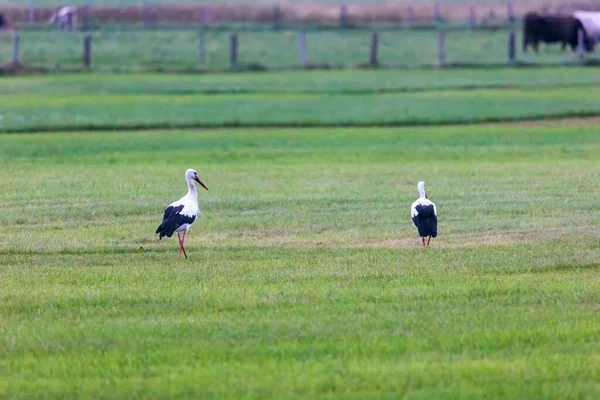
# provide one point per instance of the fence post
(70, 21)
(201, 15)
(202, 47)
(472, 18)
(234, 50)
(31, 14)
(343, 16)
(16, 42)
(86, 17)
(580, 51)
(436, 13)
(410, 17)
(509, 12)
(442, 48)
(144, 15)
(303, 49)
(276, 18)
(511, 46)
(87, 51)
(374, 47)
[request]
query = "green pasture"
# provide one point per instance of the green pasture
(295, 82)
(316, 98)
(305, 277)
(179, 50)
(30, 112)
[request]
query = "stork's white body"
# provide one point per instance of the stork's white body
(190, 208)
(421, 201)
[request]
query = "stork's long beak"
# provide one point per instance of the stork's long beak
(200, 182)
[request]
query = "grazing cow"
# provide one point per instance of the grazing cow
(590, 21)
(552, 29)
(65, 17)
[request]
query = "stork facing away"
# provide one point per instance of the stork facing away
(180, 214)
(424, 215)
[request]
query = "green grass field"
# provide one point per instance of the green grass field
(348, 98)
(172, 50)
(314, 82)
(305, 276)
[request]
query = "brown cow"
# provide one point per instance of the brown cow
(552, 29)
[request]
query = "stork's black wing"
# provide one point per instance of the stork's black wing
(426, 220)
(172, 219)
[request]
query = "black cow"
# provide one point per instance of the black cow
(2, 22)
(552, 29)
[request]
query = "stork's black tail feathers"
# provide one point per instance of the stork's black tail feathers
(166, 228)
(426, 221)
(163, 232)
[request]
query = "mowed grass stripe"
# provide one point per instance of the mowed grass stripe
(71, 112)
(227, 147)
(310, 82)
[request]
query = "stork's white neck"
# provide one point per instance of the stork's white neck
(422, 193)
(192, 193)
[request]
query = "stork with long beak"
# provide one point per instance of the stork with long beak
(179, 215)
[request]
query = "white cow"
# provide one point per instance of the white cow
(590, 21)
(65, 18)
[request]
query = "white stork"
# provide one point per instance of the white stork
(180, 214)
(424, 215)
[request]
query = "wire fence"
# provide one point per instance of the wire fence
(268, 50)
(238, 38)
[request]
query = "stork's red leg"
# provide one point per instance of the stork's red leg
(423, 239)
(179, 252)
(182, 247)
(428, 240)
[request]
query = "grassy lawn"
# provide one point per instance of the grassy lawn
(31, 112)
(152, 50)
(310, 82)
(314, 98)
(305, 276)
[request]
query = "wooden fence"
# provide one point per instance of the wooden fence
(371, 58)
